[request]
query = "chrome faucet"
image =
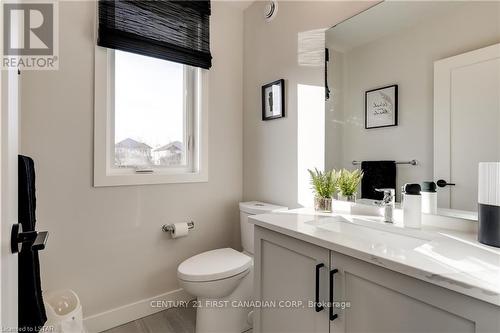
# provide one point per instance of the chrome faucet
(388, 202)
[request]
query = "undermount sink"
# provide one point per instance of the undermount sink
(371, 222)
(365, 207)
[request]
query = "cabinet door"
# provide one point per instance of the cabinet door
(382, 300)
(285, 282)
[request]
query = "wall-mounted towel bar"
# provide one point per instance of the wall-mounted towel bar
(412, 162)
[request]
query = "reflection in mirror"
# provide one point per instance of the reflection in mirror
(438, 64)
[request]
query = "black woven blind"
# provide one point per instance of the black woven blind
(171, 30)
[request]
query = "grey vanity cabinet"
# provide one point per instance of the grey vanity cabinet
(285, 270)
(381, 300)
(366, 297)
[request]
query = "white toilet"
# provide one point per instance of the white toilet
(222, 279)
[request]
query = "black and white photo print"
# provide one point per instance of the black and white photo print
(273, 100)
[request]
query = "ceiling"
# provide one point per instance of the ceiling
(240, 4)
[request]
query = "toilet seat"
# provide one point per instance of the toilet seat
(214, 265)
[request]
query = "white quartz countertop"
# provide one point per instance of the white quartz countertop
(451, 259)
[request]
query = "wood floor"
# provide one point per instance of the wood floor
(174, 320)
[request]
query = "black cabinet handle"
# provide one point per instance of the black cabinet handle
(317, 306)
(332, 315)
(443, 183)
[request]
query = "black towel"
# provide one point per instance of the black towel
(31, 311)
(377, 174)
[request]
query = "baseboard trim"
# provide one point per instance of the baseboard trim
(130, 312)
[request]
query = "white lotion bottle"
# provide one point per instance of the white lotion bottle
(412, 206)
(429, 198)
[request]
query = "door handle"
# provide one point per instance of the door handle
(36, 239)
(317, 306)
(443, 183)
(333, 316)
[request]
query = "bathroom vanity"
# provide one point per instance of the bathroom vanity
(400, 84)
(379, 277)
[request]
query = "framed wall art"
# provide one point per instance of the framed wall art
(273, 100)
(381, 107)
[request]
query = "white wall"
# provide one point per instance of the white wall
(406, 58)
(106, 243)
(270, 149)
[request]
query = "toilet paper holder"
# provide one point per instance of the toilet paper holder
(170, 227)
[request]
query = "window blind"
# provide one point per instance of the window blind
(177, 31)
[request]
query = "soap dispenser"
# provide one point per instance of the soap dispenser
(429, 198)
(412, 205)
(489, 203)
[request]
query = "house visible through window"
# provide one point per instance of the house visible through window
(152, 112)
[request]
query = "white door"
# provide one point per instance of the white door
(8, 196)
(289, 274)
(9, 131)
(466, 122)
(9, 137)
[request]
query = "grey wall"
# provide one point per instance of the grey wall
(106, 243)
(270, 160)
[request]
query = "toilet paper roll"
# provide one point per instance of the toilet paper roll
(180, 230)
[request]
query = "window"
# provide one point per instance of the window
(148, 120)
(152, 112)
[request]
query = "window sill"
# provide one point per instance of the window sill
(148, 179)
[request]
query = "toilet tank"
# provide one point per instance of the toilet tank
(253, 208)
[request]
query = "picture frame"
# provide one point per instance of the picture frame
(381, 107)
(273, 100)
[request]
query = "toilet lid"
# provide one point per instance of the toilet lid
(214, 265)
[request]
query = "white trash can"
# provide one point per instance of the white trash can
(64, 312)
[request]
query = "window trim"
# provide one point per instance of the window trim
(104, 174)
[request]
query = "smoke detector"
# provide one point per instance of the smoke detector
(270, 10)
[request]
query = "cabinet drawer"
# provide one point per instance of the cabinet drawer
(381, 300)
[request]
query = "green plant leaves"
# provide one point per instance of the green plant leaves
(326, 183)
(323, 183)
(348, 181)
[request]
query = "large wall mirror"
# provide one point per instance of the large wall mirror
(417, 81)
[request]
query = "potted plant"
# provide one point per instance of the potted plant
(347, 184)
(324, 185)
